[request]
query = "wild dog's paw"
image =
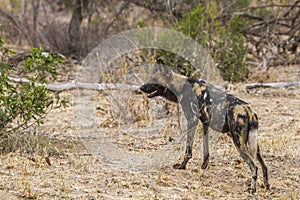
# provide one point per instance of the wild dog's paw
(179, 166)
(204, 164)
(251, 190)
(267, 186)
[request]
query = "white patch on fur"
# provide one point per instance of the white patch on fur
(252, 140)
(205, 95)
(194, 108)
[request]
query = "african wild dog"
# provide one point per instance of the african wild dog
(216, 109)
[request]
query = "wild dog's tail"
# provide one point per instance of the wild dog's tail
(252, 140)
(253, 135)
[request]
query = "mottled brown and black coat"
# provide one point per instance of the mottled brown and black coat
(217, 110)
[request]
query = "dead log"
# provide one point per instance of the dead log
(59, 87)
(272, 85)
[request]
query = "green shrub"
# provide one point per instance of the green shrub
(24, 105)
(223, 40)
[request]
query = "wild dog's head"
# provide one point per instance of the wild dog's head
(160, 82)
(175, 88)
(155, 89)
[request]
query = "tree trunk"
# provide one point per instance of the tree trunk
(35, 8)
(74, 28)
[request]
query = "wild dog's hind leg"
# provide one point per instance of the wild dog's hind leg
(243, 131)
(242, 149)
(264, 169)
(252, 166)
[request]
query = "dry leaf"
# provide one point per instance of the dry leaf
(47, 159)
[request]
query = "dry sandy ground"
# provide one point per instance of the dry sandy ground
(73, 173)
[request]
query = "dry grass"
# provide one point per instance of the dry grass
(73, 174)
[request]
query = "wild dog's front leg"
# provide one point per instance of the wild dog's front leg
(190, 106)
(189, 146)
(205, 147)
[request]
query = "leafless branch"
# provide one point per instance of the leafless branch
(290, 6)
(77, 85)
(271, 85)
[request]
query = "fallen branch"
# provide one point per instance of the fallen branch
(271, 85)
(113, 86)
(78, 85)
(292, 6)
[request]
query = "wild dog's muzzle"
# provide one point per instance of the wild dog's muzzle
(154, 89)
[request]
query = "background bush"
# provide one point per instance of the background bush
(24, 105)
(224, 42)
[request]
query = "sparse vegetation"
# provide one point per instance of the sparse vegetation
(249, 40)
(23, 105)
(224, 42)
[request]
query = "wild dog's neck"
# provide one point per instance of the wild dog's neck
(177, 84)
(178, 77)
